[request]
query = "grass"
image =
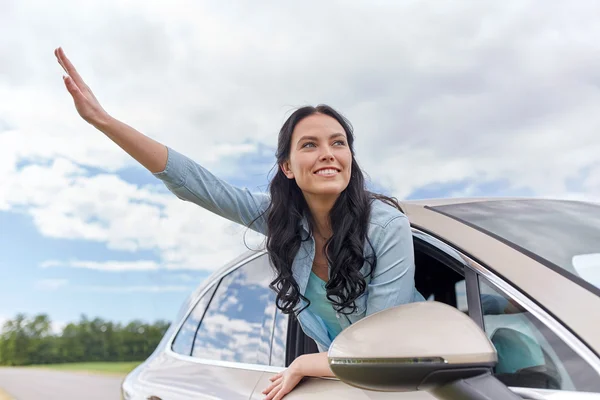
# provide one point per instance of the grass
(108, 368)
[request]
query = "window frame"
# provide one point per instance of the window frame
(216, 280)
(209, 291)
(474, 269)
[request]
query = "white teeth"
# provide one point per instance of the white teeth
(326, 172)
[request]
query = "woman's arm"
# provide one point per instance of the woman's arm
(306, 365)
(148, 152)
(315, 364)
(186, 179)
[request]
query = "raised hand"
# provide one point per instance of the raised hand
(85, 102)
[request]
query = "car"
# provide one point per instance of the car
(512, 311)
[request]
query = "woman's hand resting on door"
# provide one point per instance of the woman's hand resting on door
(283, 382)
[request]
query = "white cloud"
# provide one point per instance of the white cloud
(137, 289)
(113, 266)
(50, 284)
(437, 94)
(51, 263)
(66, 202)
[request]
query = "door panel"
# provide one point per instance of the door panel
(168, 377)
(334, 389)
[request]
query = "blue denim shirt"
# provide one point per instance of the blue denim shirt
(392, 282)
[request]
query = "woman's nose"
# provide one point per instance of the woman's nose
(327, 155)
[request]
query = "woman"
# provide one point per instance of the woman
(340, 252)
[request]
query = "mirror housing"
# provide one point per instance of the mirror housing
(416, 346)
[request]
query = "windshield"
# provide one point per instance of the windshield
(565, 234)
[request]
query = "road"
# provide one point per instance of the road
(35, 384)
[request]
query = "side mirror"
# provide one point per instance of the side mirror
(417, 346)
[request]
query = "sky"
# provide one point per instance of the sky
(447, 99)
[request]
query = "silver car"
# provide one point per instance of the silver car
(513, 311)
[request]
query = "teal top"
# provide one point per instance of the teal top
(321, 306)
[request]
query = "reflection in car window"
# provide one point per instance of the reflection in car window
(279, 340)
(237, 325)
(185, 337)
(554, 230)
(529, 353)
(587, 267)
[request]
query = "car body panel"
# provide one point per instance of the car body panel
(334, 389)
(169, 377)
(563, 301)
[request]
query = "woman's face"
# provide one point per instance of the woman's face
(320, 158)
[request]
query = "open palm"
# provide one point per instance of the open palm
(85, 102)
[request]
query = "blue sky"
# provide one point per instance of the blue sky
(498, 100)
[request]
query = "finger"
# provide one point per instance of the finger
(271, 386)
(73, 89)
(70, 68)
(60, 61)
(274, 377)
(281, 394)
(273, 393)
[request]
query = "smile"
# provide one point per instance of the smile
(327, 172)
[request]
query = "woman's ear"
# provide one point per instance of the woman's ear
(285, 167)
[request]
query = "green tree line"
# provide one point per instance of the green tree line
(30, 340)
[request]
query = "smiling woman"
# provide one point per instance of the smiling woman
(339, 252)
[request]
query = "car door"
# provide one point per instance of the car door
(223, 346)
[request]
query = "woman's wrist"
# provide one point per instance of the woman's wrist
(102, 122)
(298, 366)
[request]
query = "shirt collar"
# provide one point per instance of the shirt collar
(304, 223)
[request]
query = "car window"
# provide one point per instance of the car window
(237, 325)
(185, 337)
(459, 292)
(434, 277)
(529, 353)
(279, 340)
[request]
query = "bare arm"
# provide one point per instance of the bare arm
(148, 152)
(315, 364)
(284, 382)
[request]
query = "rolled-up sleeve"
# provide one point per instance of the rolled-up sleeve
(191, 182)
(393, 280)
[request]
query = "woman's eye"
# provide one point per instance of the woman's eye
(339, 143)
(307, 144)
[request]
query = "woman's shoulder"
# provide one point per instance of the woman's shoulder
(383, 214)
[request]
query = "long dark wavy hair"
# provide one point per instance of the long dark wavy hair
(349, 219)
